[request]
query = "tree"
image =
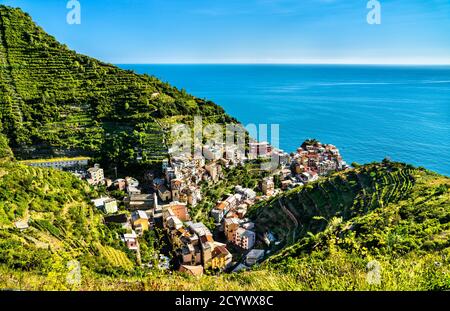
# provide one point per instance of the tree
(5, 151)
(355, 164)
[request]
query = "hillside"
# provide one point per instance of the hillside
(345, 195)
(63, 225)
(389, 217)
(365, 202)
(401, 222)
(54, 101)
(392, 213)
(5, 151)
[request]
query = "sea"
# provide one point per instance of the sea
(368, 112)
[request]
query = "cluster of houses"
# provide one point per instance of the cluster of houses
(182, 176)
(311, 161)
(179, 188)
(194, 243)
(238, 230)
(230, 213)
(176, 190)
(167, 207)
(166, 204)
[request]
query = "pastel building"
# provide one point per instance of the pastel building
(231, 225)
(140, 222)
(268, 186)
(244, 238)
(95, 175)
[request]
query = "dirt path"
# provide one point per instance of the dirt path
(291, 216)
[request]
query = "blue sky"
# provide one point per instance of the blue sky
(250, 31)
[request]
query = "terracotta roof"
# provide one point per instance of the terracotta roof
(206, 238)
(231, 215)
(176, 182)
(220, 250)
(192, 270)
(222, 205)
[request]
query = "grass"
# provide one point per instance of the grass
(407, 236)
(337, 272)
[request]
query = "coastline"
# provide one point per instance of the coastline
(370, 112)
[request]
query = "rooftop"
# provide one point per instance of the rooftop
(139, 215)
(131, 235)
(244, 232)
(255, 253)
(193, 270)
(230, 221)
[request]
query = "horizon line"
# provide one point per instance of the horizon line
(280, 63)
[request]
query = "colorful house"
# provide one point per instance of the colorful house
(164, 193)
(110, 206)
(244, 238)
(221, 258)
(131, 241)
(192, 270)
(230, 226)
(139, 219)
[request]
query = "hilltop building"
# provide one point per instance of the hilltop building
(95, 175)
(268, 186)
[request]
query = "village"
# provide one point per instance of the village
(163, 201)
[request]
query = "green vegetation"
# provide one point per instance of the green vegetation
(392, 213)
(345, 194)
(5, 151)
(247, 176)
(55, 102)
(407, 235)
(384, 209)
(336, 272)
(63, 223)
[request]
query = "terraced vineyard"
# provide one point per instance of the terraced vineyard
(117, 258)
(390, 212)
(57, 102)
(63, 224)
(343, 195)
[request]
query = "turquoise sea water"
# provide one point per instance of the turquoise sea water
(368, 112)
